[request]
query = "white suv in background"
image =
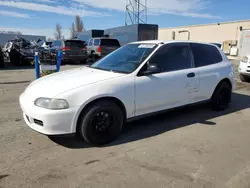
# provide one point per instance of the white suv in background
(138, 79)
(244, 69)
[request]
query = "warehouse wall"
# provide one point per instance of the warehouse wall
(5, 37)
(206, 33)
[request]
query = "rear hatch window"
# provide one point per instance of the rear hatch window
(110, 42)
(75, 43)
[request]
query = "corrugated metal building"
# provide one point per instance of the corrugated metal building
(229, 33)
(5, 37)
(132, 33)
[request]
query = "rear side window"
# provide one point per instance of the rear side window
(205, 55)
(97, 42)
(75, 43)
(90, 42)
(110, 42)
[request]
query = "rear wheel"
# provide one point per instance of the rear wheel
(221, 97)
(101, 123)
(85, 61)
(244, 78)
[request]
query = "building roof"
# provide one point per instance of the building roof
(199, 25)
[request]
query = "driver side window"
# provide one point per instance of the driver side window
(172, 57)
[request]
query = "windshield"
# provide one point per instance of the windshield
(75, 43)
(125, 59)
(109, 42)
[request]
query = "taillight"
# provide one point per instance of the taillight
(84, 48)
(99, 49)
(65, 48)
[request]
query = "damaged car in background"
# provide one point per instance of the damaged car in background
(20, 51)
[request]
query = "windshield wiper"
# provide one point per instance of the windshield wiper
(110, 70)
(99, 68)
(116, 71)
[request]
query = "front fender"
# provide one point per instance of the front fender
(77, 114)
(82, 96)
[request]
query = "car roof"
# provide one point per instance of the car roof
(168, 42)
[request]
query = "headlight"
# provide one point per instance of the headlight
(52, 104)
(244, 59)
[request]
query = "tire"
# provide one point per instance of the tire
(84, 62)
(93, 57)
(244, 78)
(221, 97)
(94, 133)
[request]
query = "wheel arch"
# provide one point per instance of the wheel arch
(85, 106)
(227, 80)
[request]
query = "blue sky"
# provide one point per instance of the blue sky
(41, 16)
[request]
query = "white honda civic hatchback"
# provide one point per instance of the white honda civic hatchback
(137, 79)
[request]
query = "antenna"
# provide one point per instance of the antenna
(136, 12)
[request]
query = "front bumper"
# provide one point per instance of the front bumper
(48, 122)
(244, 68)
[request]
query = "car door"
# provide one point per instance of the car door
(209, 64)
(174, 86)
(96, 44)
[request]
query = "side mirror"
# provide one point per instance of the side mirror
(152, 69)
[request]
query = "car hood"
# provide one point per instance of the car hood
(57, 83)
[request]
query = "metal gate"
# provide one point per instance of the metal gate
(245, 43)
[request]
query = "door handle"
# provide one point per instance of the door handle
(191, 75)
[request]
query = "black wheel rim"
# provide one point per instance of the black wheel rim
(102, 122)
(224, 97)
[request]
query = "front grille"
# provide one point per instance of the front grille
(38, 122)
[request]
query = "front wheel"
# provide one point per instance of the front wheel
(221, 97)
(101, 122)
